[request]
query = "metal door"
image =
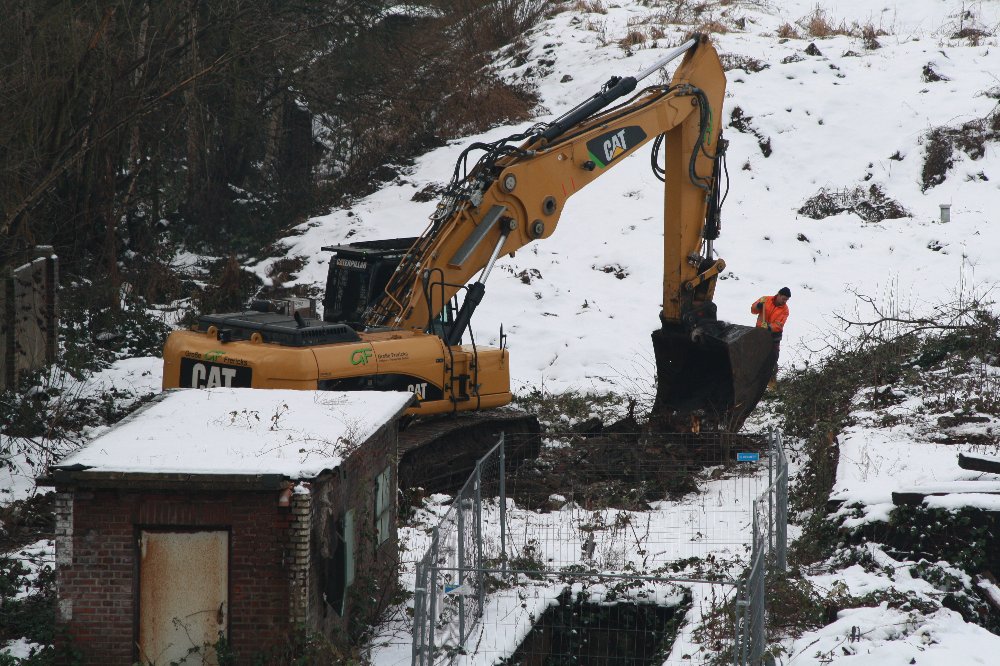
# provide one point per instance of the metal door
(183, 596)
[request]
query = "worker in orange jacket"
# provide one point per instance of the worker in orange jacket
(772, 313)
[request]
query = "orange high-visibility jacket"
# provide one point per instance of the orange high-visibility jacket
(770, 315)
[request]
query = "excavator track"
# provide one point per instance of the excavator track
(439, 454)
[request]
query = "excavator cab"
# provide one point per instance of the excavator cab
(357, 278)
(358, 275)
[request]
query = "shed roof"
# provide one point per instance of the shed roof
(231, 431)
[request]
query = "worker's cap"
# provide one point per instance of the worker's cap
(785, 291)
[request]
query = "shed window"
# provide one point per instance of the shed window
(348, 548)
(383, 505)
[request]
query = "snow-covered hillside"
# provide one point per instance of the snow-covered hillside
(833, 116)
(848, 117)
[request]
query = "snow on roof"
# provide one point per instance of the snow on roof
(297, 434)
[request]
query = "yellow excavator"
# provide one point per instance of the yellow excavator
(392, 320)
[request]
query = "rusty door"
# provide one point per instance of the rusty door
(183, 595)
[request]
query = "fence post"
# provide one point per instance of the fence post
(761, 612)
(503, 506)
(51, 302)
(770, 492)
(480, 576)
(419, 599)
(460, 505)
(782, 554)
(739, 623)
(432, 590)
(7, 330)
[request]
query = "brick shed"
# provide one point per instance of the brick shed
(236, 513)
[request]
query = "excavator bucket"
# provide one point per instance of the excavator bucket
(711, 382)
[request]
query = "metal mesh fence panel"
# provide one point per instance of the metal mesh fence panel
(612, 548)
(767, 555)
(631, 502)
(450, 585)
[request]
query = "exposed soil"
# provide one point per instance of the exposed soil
(622, 470)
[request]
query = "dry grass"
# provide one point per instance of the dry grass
(974, 35)
(590, 6)
(747, 63)
(869, 36)
(818, 24)
(788, 31)
(713, 26)
(599, 27)
(632, 40)
(681, 12)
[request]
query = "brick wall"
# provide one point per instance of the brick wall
(278, 555)
(97, 555)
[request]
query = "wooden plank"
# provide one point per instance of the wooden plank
(7, 332)
(978, 463)
(51, 324)
(29, 317)
(915, 498)
(988, 589)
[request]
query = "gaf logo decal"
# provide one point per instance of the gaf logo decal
(608, 147)
(360, 356)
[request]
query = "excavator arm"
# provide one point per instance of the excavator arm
(516, 196)
(710, 374)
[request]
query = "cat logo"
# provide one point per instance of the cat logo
(211, 376)
(419, 390)
(203, 374)
(614, 146)
(608, 147)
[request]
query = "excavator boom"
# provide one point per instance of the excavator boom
(519, 196)
(708, 373)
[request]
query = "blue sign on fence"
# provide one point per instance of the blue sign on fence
(745, 456)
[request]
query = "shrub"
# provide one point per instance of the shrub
(631, 40)
(818, 24)
(788, 31)
(748, 64)
(941, 143)
(590, 6)
(870, 204)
